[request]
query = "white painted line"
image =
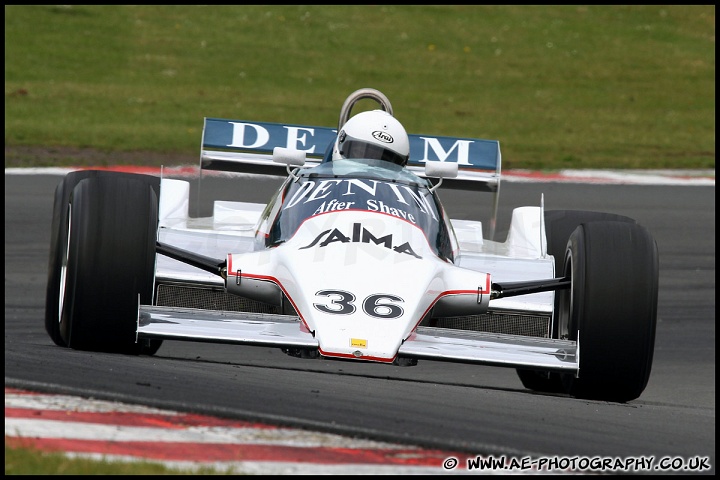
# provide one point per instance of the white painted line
(29, 427)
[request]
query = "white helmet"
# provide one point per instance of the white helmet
(373, 134)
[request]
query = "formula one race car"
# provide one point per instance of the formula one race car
(354, 258)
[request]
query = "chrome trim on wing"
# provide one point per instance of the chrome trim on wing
(491, 349)
(174, 323)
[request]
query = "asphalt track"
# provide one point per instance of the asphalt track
(478, 410)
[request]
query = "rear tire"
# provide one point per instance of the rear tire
(612, 310)
(559, 225)
(102, 261)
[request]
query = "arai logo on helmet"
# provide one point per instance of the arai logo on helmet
(382, 136)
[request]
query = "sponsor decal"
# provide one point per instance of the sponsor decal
(359, 234)
(342, 194)
(382, 136)
(264, 136)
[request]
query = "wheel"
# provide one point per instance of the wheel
(58, 239)
(103, 251)
(107, 265)
(611, 309)
(559, 225)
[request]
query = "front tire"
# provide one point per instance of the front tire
(559, 225)
(58, 241)
(105, 261)
(611, 309)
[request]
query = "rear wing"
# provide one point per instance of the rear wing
(242, 146)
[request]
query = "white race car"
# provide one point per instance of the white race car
(353, 259)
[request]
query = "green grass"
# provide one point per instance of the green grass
(28, 461)
(559, 86)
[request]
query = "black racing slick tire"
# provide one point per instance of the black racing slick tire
(559, 225)
(611, 309)
(103, 254)
(58, 241)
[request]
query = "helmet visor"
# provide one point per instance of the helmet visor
(352, 148)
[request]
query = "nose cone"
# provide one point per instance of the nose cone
(359, 284)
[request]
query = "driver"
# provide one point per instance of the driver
(373, 134)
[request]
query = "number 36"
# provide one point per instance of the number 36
(375, 305)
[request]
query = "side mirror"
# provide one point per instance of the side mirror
(289, 157)
(441, 169)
